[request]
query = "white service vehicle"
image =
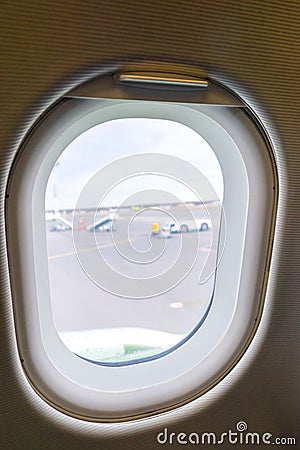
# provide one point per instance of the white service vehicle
(187, 226)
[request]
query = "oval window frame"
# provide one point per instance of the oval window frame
(101, 393)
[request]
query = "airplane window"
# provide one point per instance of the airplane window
(152, 228)
(140, 211)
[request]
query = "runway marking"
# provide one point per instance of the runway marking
(87, 249)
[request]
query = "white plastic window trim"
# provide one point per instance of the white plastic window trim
(109, 393)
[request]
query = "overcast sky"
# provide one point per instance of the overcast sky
(117, 139)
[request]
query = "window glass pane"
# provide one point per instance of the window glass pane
(133, 208)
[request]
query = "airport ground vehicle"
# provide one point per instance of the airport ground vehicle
(251, 47)
(59, 224)
(187, 226)
(104, 224)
